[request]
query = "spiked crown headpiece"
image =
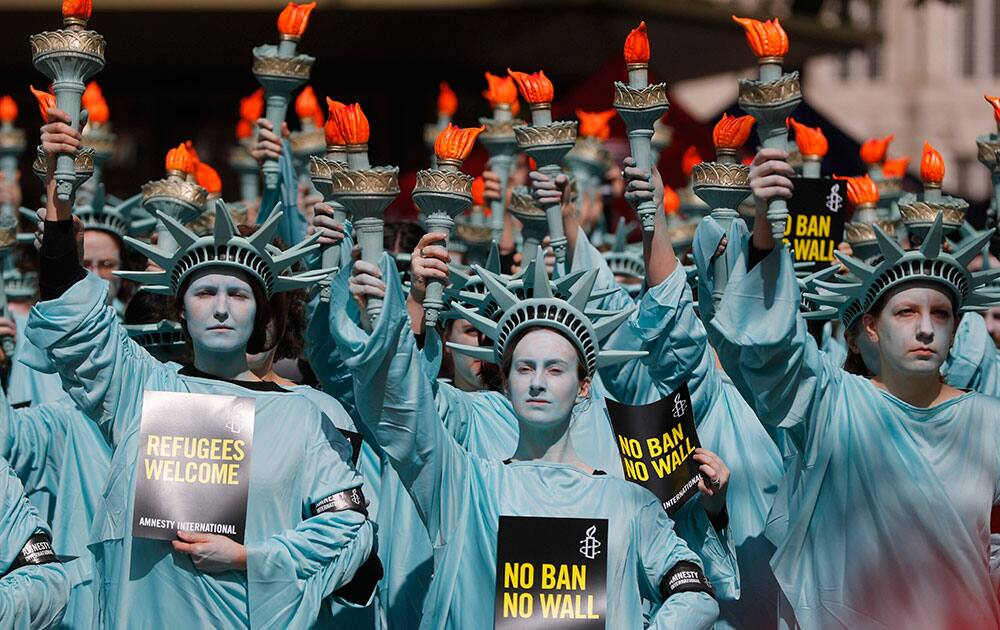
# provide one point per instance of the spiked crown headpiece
(570, 317)
(624, 262)
(18, 284)
(164, 334)
(225, 247)
(856, 295)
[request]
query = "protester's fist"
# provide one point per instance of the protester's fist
(428, 262)
(714, 481)
(330, 230)
(491, 190)
(550, 259)
(769, 176)
(58, 136)
(7, 329)
(547, 191)
(366, 282)
(268, 146)
(640, 186)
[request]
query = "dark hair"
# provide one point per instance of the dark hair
(508, 356)
(401, 236)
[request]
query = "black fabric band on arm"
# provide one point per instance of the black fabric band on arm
(755, 255)
(38, 550)
(352, 499)
(59, 262)
(685, 577)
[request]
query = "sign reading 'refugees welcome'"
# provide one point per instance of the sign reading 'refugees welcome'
(551, 573)
(193, 465)
(656, 442)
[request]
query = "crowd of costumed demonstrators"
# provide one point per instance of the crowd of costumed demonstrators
(282, 410)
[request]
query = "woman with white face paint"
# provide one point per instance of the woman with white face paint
(548, 350)
(890, 523)
(306, 534)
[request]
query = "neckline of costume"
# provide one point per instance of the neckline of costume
(258, 386)
(537, 462)
(926, 411)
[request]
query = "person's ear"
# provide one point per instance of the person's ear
(868, 321)
(584, 390)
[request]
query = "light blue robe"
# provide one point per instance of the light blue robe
(460, 496)
(59, 454)
(974, 361)
(293, 561)
(889, 523)
(33, 596)
(667, 326)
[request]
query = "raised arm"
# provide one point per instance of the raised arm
(396, 400)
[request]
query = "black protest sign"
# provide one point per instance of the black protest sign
(656, 442)
(816, 214)
(193, 468)
(552, 573)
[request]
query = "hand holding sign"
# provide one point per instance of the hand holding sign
(714, 481)
(212, 553)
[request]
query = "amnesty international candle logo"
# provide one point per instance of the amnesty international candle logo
(656, 442)
(551, 573)
(816, 219)
(193, 465)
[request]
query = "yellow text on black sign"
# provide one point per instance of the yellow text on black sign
(665, 454)
(546, 591)
(810, 237)
(184, 459)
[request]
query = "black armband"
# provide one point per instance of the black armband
(352, 499)
(755, 255)
(685, 577)
(38, 550)
(59, 262)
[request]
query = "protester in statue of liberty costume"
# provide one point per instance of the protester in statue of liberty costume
(34, 585)
(460, 496)
(974, 361)
(292, 558)
(668, 327)
(889, 526)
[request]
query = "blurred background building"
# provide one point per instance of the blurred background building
(177, 68)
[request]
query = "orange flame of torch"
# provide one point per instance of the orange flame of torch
(873, 150)
(91, 94)
(195, 159)
(243, 129)
(895, 168)
(500, 90)
(861, 190)
(691, 158)
(535, 88)
(455, 143)
(8, 109)
(294, 19)
(447, 100)
(46, 100)
(637, 45)
(766, 39)
(931, 166)
(671, 200)
(98, 112)
(252, 107)
(595, 124)
(79, 9)
(810, 140)
(479, 191)
(995, 102)
(332, 130)
(307, 106)
(208, 178)
(731, 132)
(179, 159)
(353, 124)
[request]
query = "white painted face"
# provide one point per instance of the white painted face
(992, 318)
(103, 256)
(914, 331)
(543, 383)
(219, 309)
(468, 371)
